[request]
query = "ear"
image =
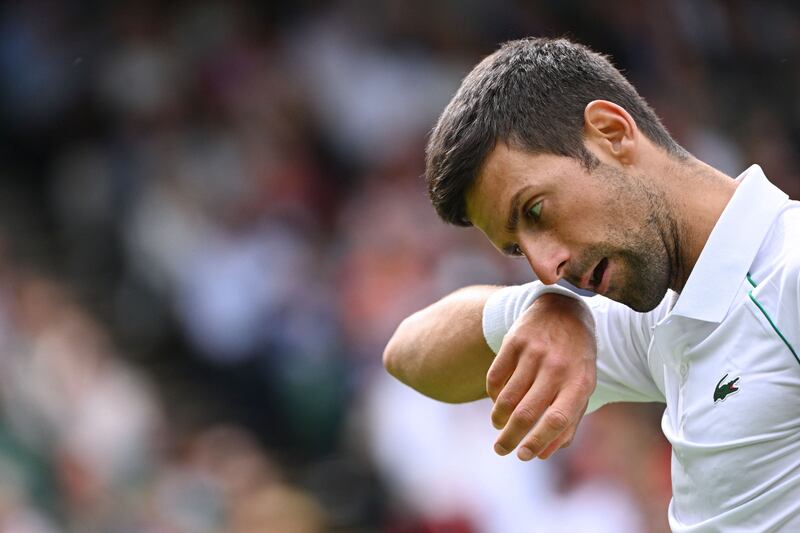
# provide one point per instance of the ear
(611, 130)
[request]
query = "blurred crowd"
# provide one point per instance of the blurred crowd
(212, 219)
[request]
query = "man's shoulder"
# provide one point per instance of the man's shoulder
(779, 260)
(775, 271)
(781, 252)
(790, 245)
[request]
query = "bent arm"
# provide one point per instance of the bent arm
(542, 376)
(440, 351)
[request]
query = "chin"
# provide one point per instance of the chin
(643, 307)
(644, 302)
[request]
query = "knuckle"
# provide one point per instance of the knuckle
(535, 443)
(558, 365)
(556, 420)
(513, 342)
(535, 347)
(588, 384)
(519, 342)
(493, 380)
(502, 406)
(525, 416)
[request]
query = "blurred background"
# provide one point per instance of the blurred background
(212, 219)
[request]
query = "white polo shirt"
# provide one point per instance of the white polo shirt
(723, 356)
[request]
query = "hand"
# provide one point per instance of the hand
(541, 379)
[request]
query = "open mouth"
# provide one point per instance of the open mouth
(597, 275)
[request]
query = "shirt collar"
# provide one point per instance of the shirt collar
(731, 248)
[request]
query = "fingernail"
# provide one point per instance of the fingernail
(525, 454)
(499, 450)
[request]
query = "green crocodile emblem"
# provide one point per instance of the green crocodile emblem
(722, 391)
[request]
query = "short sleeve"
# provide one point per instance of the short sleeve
(623, 339)
(505, 306)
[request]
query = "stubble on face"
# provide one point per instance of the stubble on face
(642, 243)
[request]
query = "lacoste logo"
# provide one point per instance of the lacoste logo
(722, 391)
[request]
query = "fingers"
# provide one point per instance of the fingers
(524, 416)
(513, 392)
(563, 441)
(556, 428)
(541, 381)
(502, 368)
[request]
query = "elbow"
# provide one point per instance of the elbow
(392, 359)
(399, 354)
(389, 359)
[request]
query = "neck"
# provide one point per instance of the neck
(697, 194)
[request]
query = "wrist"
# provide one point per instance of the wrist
(505, 306)
(560, 307)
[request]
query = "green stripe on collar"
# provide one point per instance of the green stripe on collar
(769, 318)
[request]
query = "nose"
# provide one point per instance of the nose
(547, 258)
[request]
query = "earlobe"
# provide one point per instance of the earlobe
(611, 129)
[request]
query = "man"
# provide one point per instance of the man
(550, 152)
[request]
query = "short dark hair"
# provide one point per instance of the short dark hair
(531, 93)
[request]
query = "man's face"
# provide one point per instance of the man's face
(604, 230)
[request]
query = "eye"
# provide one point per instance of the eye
(534, 212)
(515, 251)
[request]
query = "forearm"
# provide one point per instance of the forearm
(440, 351)
(540, 380)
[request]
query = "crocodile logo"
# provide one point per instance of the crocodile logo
(722, 391)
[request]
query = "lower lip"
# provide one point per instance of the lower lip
(602, 287)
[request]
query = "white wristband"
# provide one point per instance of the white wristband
(505, 306)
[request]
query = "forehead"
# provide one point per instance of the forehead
(506, 171)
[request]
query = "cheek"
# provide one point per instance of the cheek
(592, 227)
(623, 221)
(599, 221)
